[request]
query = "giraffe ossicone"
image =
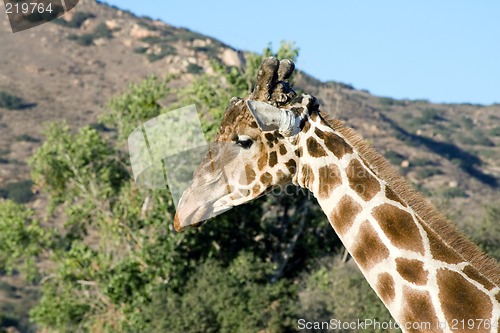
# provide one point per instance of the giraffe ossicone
(420, 266)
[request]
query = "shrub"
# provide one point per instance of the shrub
(99, 126)
(340, 291)
(467, 122)
(152, 39)
(83, 40)
(429, 172)
(141, 50)
(429, 115)
(76, 21)
(421, 162)
(10, 102)
(495, 131)
(165, 50)
(487, 233)
(210, 50)
(100, 31)
(394, 157)
(386, 101)
(454, 192)
(27, 138)
(194, 69)
(20, 191)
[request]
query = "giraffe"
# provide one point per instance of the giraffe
(429, 276)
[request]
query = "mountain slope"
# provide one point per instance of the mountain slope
(69, 69)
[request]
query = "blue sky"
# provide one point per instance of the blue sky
(443, 51)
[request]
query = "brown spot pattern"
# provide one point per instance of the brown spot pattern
(273, 159)
(439, 250)
(298, 152)
(291, 166)
(280, 175)
(418, 309)
(472, 273)
(385, 287)
(249, 173)
(334, 143)
(256, 189)
(412, 270)
(329, 178)
(282, 149)
(369, 250)
(270, 137)
(266, 179)
(306, 126)
(461, 300)
(361, 181)
(307, 176)
(262, 161)
(344, 214)
(314, 148)
(399, 227)
(389, 194)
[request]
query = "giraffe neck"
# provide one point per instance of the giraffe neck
(418, 274)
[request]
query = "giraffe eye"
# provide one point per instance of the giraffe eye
(244, 142)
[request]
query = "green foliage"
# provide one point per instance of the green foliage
(19, 191)
(467, 122)
(26, 138)
(429, 172)
(421, 162)
(115, 264)
(217, 299)
(453, 192)
(194, 69)
(139, 104)
(386, 101)
(339, 290)
(100, 31)
(11, 102)
(429, 115)
(495, 131)
(141, 50)
(83, 40)
(163, 51)
(487, 233)
(22, 240)
(83, 163)
(160, 46)
(394, 157)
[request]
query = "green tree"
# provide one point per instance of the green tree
(487, 232)
(22, 240)
(117, 265)
(338, 290)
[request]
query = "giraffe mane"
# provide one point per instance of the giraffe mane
(444, 229)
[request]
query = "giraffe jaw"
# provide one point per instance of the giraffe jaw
(188, 217)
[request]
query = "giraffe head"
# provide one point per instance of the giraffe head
(254, 150)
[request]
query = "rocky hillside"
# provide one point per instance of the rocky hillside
(70, 68)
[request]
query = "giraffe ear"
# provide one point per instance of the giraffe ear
(270, 118)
